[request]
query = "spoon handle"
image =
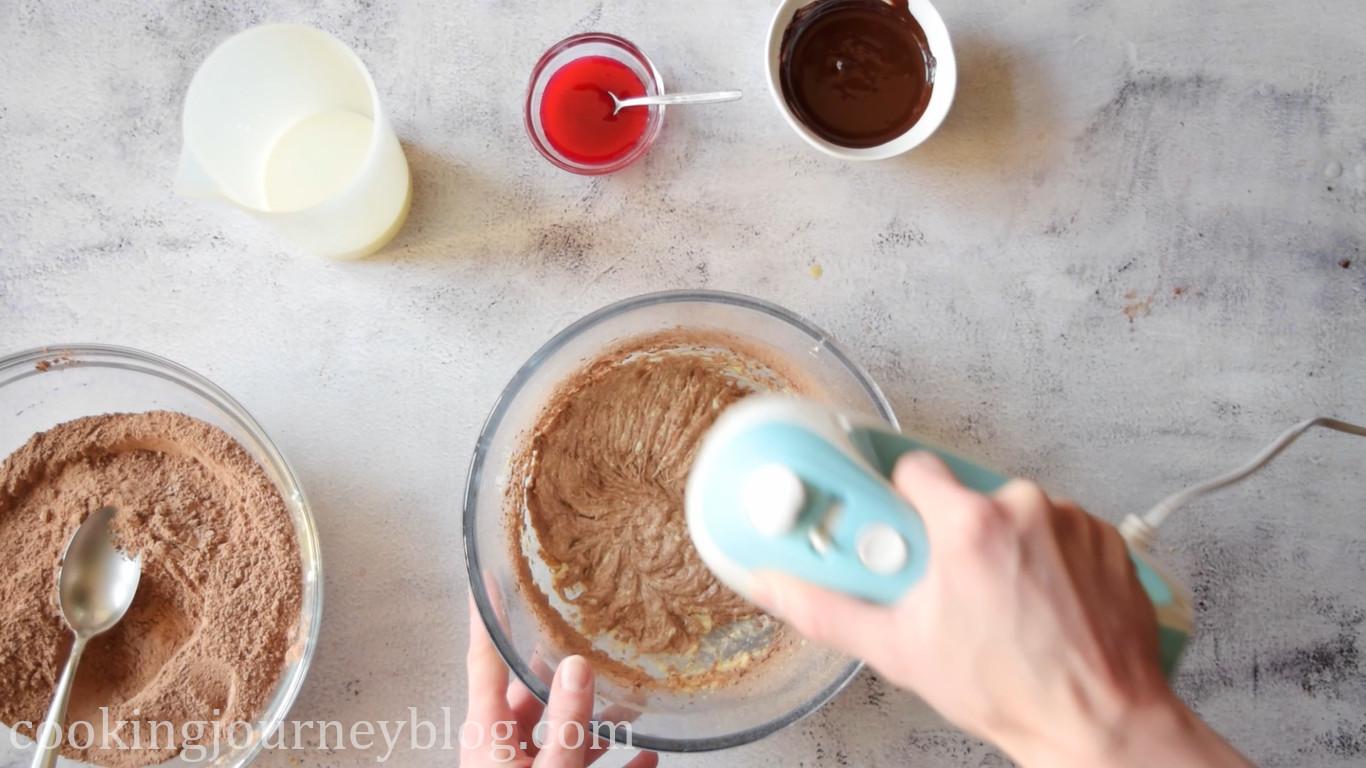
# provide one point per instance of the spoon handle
(50, 732)
(681, 98)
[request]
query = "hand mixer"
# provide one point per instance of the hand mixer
(789, 485)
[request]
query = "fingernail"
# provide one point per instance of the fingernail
(575, 674)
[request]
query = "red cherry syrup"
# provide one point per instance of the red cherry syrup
(576, 110)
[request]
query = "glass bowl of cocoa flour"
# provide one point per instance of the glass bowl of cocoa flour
(44, 391)
(574, 534)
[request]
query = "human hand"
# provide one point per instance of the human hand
(1029, 628)
(500, 724)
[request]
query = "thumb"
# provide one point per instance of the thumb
(825, 616)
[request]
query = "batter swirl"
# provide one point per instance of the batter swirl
(603, 477)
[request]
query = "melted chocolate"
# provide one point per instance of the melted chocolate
(858, 73)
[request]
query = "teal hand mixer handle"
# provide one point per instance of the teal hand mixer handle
(788, 485)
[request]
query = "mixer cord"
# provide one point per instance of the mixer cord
(1140, 530)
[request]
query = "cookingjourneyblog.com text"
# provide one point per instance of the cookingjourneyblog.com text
(204, 741)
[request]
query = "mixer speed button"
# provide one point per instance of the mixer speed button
(882, 549)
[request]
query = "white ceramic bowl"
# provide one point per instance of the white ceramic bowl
(944, 72)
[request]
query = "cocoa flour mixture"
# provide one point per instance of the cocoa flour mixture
(215, 612)
(601, 481)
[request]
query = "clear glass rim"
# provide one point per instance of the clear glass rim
(647, 140)
(22, 365)
(479, 588)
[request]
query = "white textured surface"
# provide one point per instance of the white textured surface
(1116, 269)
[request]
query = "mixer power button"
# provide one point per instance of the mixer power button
(772, 498)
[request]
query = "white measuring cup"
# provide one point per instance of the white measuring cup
(284, 122)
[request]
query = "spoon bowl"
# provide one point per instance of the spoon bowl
(97, 581)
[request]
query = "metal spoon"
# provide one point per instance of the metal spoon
(95, 586)
(666, 99)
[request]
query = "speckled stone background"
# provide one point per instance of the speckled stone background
(1133, 254)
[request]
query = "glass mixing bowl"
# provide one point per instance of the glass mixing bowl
(777, 692)
(42, 388)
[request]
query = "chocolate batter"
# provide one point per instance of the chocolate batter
(604, 475)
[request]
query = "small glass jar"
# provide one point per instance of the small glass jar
(578, 47)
